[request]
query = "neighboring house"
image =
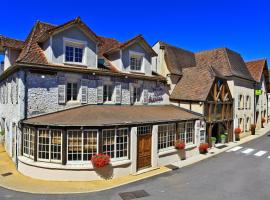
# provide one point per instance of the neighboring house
(172, 61)
(68, 94)
(259, 71)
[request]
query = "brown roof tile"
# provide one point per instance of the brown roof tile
(11, 43)
(256, 68)
(107, 115)
(195, 84)
(225, 61)
(177, 58)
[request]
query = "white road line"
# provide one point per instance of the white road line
(268, 156)
(234, 149)
(260, 153)
(247, 151)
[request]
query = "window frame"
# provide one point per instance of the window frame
(68, 42)
(167, 134)
(137, 54)
(137, 92)
(108, 85)
(115, 143)
(50, 160)
(72, 91)
(28, 130)
(82, 145)
(185, 132)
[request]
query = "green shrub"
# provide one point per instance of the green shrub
(213, 139)
(2, 133)
(223, 136)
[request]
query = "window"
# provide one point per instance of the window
(50, 145)
(28, 142)
(240, 102)
(73, 54)
(247, 126)
(115, 143)
(241, 124)
(143, 130)
(186, 132)
(166, 136)
(107, 93)
(82, 145)
(136, 94)
(248, 103)
(136, 62)
(72, 91)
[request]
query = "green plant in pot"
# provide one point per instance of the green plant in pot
(213, 141)
(252, 129)
(223, 138)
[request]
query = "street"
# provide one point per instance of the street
(242, 173)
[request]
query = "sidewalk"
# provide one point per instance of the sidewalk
(21, 183)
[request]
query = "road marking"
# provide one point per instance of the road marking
(235, 149)
(268, 156)
(260, 153)
(247, 151)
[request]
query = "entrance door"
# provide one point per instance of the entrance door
(144, 151)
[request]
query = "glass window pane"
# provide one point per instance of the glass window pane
(74, 145)
(89, 144)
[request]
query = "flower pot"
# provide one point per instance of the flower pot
(182, 154)
(203, 151)
(253, 131)
(237, 137)
(213, 143)
(223, 140)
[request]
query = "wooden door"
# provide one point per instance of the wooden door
(144, 151)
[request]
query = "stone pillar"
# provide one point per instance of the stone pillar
(64, 147)
(133, 149)
(154, 146)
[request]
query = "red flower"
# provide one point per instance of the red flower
(237, 130)
(100, 160)
(179, 144)
(203, 147)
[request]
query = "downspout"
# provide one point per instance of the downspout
(254, 117)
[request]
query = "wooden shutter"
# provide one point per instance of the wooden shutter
(145, 96)
(92, 93)
(61, 90)
(118, 92)
(131, 90)
(84, 91)
(100, 92)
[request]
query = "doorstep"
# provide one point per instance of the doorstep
(145, 170)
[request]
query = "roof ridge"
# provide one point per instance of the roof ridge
(227, 58)
(260, 59)
(175, 46)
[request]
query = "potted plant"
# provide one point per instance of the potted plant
(263, 121)
(252, 129)
(223, 138)
(213, 141)
(180, 145)
(237, 132)
(203, 148)
(100, 160)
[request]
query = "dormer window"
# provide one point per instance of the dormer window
(74, 51)
(136, 61)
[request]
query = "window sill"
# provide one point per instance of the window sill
(75, 64)
(84, 165)
(167, 151)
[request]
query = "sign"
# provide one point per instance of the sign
(258, 92)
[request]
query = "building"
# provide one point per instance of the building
(67, 94)
(259, 71)
(226, 65)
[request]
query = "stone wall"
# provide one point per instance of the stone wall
(43, 91)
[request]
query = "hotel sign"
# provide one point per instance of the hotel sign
(258, 92)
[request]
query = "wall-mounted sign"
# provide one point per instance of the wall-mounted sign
(258, 92)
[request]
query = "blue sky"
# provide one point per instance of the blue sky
(243, 26)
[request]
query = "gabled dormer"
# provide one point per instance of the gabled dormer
(132, 56)
(72, 43)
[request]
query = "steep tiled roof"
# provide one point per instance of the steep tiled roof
(138, 38)
(256, 68)
(32, 52)
(195, 84)
(106, 44)
(177, 58)
(11, 43)
(225, 61)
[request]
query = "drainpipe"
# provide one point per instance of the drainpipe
(254, 114)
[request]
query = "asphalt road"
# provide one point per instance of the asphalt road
(231, 175)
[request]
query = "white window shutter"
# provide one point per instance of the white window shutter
(100, 92)
(61, 90)
(84, 91)
(131, 90)
(118, 92)
(145, 96)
